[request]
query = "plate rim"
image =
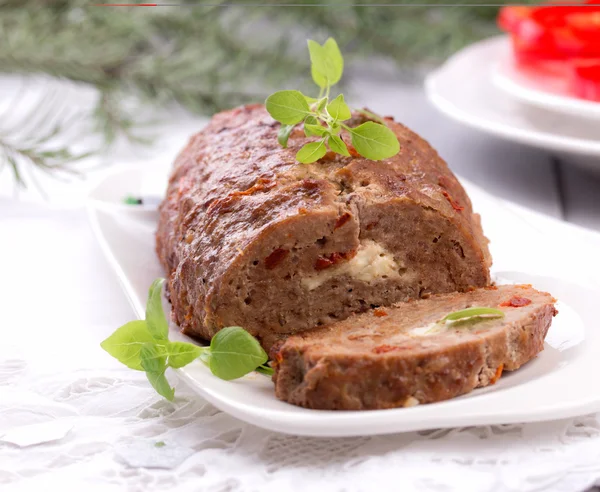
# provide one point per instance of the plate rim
(515, 133)
(275, 420)
(568, 105)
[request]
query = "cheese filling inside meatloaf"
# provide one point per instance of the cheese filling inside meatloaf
(371, 263)
(250, 237)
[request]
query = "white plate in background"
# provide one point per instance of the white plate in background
(544, 90)
(552, 386)
(463, 89)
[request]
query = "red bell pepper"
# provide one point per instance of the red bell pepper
(509, 18)
(527, 52)
(573, 46)
(563, 39)
(558, 31)
(585, 25)
(584, 79)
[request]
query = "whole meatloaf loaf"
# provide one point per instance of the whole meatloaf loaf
(250, 237)
(403, 356)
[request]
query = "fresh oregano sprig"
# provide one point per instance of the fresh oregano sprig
(324, 118)
(144, 345)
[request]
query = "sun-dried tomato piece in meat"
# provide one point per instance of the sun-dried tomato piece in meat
(342, 220)
(384, 349)
(455, 205)
(516, 301)
(275, 258)
(498, 374)
(324, 262)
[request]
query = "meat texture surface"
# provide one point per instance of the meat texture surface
(250, 237)
(403, 356)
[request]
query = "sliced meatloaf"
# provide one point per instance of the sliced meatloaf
(402, 356)
(251, 237)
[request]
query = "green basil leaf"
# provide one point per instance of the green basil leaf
(315, 130)
(374, 141)
(287, 107)
(205, 357)
(311, 120)
(338, 109)
(235, 353)
(181, 353)
(126, 343)
(156, 320)
(161, 385)
(370, 115)
(310, 100)
(335, 59)
(154, 362)
(318, 63)
(153, 357)
(283, 134)
(311, 152)
(337, 145)
(327, 63)
(266, 370)
(473, 312)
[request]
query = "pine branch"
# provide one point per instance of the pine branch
(29, 141)
(207, 58)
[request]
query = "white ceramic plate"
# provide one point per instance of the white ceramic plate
(463, 89)
(546, 91)
(559, 383)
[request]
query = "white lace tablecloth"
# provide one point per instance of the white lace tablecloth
(73, 419)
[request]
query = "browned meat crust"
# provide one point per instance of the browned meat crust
(384, 359)
(250, 237)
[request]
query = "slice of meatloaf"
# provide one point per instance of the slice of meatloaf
(251, 237)
(401, 356)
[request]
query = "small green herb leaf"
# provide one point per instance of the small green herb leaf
(315, 130)
(153, 357)
(287, 107)
(181, 353)
(311, 152)
(266, 370)
(338, 109)
(283, 134)
(205, 357)
(327, 63)
(473, 312)
(374, 141)
(161, 385)
(336, 59)
(318, 64)
(153, 361)
(323, 118)
(235, 353)
(155, 316)
(371, 115)
(337, 145)
(131, 200)
(126, 343)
